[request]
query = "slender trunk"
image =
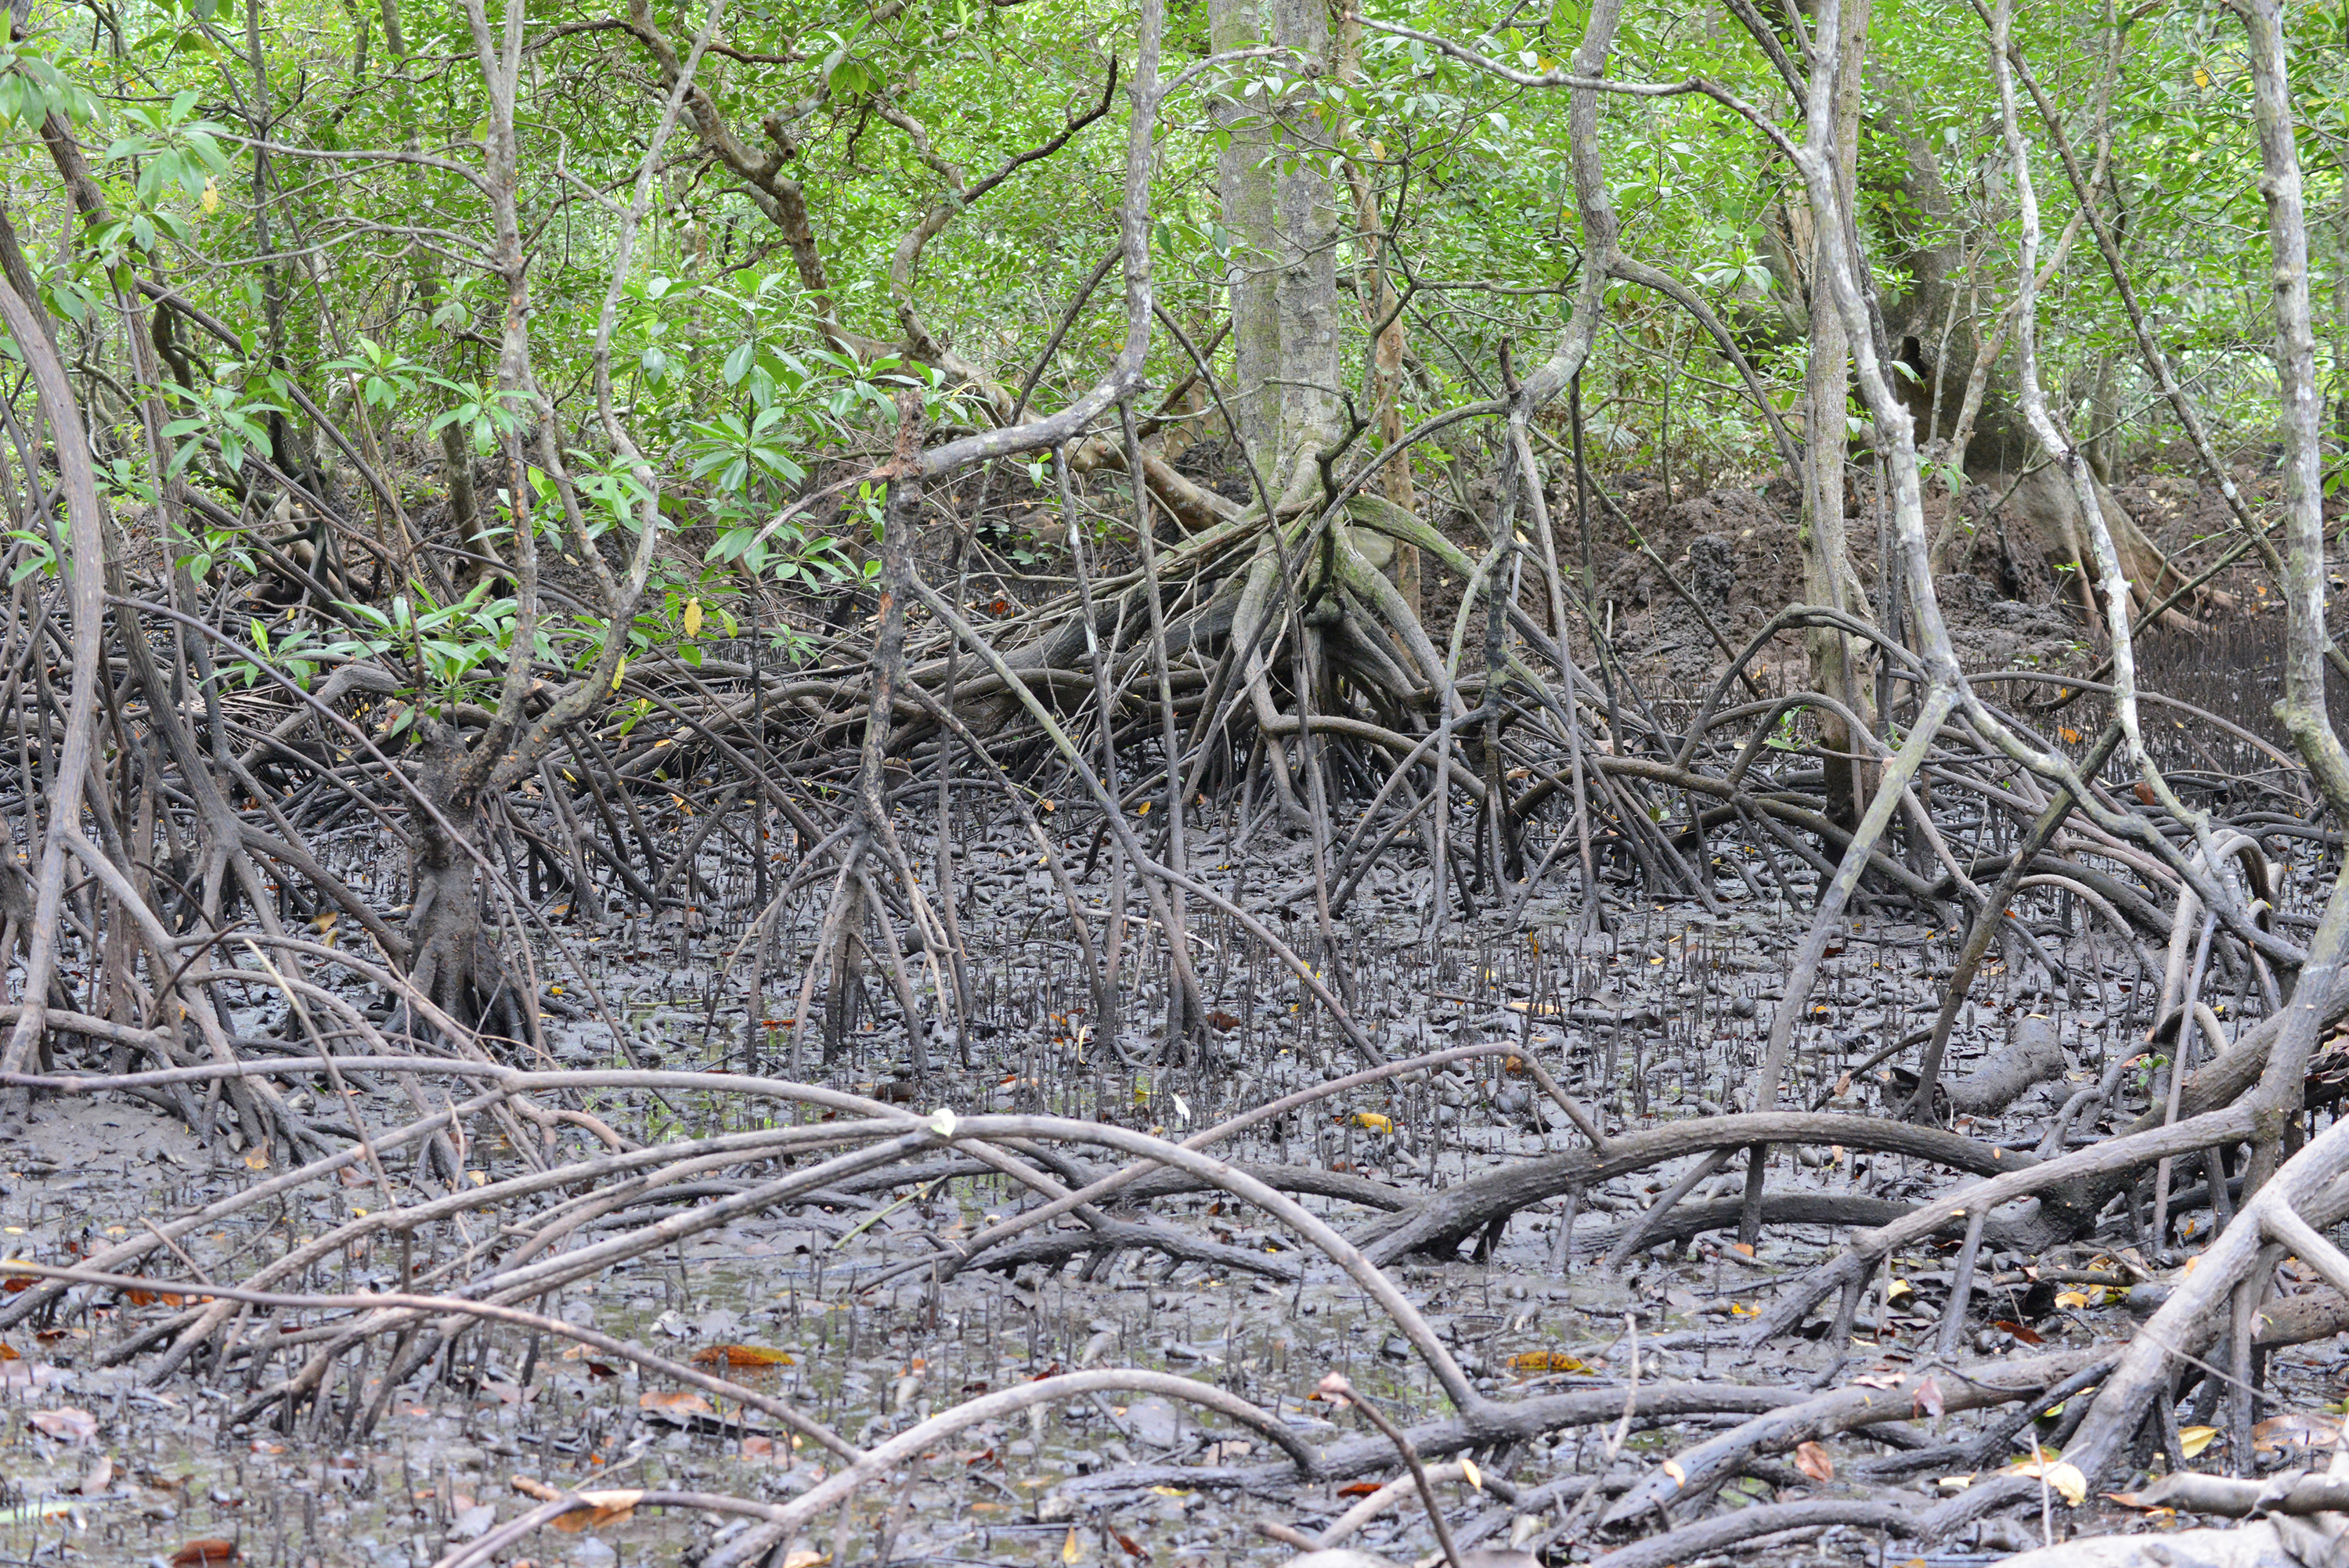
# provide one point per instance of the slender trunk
(1828, 578)
(1384, 306)
(2302, 709)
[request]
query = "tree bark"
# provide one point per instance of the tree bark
(1283, 219)
(1828, 577)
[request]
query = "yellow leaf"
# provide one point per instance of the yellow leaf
(2062, 1477)
(692, 617)
(2073, 1298)
(1547, 1361)
(1372, 1121)
(1469, 1472)
(257, 1160)
(1070, 1551)
(2192, 1441)
(1672, 1468)
(618, 670)
(1899, 1289)
(210, 201)
(744, 1356)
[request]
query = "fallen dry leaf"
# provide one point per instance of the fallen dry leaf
(2062, 1477)
(1927, 1399)
(1813, 1461)
(200, 1554)
(97, 1478)
(674, 1402)
(744, 1356)
(67, 1425)
(2295, 1430)
(602, 1508)
(2192, 1441)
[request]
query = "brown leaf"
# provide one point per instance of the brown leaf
(205, 1550)
(16, 1283)
(744, 1356)
(2028, 1335)
(1812, 1461)
(602, 1508)
(2295, 1430)
(674, 1402)
(67, 1425)
(1358, 1489)
(530, 1487)
(1927, 1399)
(97, 1478)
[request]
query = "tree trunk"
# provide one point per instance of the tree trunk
(451, 959)
(1283, 278)
(1829, 576)
(1382, 307)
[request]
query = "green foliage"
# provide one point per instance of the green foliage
(741, 357)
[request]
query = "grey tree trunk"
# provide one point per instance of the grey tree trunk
(1828, 577)
(1283, 219)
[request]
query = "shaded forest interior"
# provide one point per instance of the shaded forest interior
(1265, 783)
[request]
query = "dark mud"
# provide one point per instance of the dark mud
(1657, 1018)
